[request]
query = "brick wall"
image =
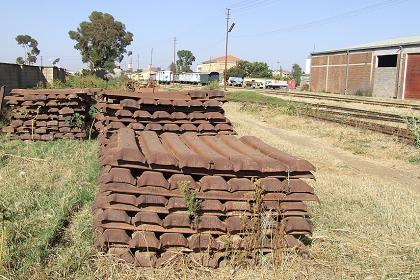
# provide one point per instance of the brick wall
(328, 72)
(336, 79)
(318, 77)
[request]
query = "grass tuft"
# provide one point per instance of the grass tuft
(43, 184)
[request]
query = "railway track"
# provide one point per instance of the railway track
(404, 134)
(359, 118)
(358, 113)
(344, 99)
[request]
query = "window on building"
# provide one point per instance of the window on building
(387, 60)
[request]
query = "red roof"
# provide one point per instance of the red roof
(230, 58)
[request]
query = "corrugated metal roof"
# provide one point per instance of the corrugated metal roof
(230, 58)
(394, 42)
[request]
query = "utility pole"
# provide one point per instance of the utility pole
(174, 62)
(151, 59)
(138, 62)
(228, 30)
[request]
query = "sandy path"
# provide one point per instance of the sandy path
(336, 155)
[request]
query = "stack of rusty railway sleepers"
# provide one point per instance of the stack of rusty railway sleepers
(205, 196)
(47, 114)
(183, 111)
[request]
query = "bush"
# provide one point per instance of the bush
(213, 85)
(360, 92)
(305, 87)
(89, 81)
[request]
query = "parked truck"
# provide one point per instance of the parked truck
(254, 82)
(277, 84)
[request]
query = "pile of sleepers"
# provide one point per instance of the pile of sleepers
(164, 195)
(184, 111)
(47, 114)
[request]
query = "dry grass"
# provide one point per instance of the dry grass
(368, 107)
(365, 144)
(367, 226)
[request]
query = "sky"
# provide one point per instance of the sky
(278, 32)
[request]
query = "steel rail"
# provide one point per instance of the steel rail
(342, 99)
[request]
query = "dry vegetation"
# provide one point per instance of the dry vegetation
(376, 108)
(366, 227)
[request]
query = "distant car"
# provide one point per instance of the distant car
(258, 85)
(235, 81)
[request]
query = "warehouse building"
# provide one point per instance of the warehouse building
(218, 64)
(389, 68)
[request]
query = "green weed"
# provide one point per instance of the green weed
(413, 126)
(190, 196)
(75, 120)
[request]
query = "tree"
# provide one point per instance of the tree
(30, 45)
(261, 70)
(296, 73)
(185, 60)
(102, 41)
(20, 60)
(241, 69)
(250, 69)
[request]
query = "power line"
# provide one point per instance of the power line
(241, 3)
(247, 4)
(326, 20)
(255, 5)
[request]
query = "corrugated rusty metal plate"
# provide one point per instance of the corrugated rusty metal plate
(221, 153)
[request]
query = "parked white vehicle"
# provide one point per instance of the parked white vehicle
(276, 84)
(258, 85)
(164, 77)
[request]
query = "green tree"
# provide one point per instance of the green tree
(101, 41)
(30, 45)
(250, 69)
(20, 60)
(242, 69)
(281, 77)
(185, 60)
(297, 73)
(260, 70)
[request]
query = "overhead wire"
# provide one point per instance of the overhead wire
(242, 3)
(326, 20)
(253, 6)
